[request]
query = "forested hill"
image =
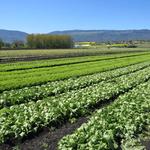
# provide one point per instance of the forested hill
(106, 35)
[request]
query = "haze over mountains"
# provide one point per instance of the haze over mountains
(84, 35)
(106, 35)
(11, 35)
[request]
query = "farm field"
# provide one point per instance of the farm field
(91, 102)
(28, 55)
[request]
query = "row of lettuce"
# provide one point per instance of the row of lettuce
(18, 121)
(115, 126)
(22, 78)
(18, 96)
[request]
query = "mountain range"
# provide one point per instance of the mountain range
(106, 35)
(11, 35)
(84, 35)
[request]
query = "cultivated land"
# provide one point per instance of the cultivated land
(91, 102)
(28, 55)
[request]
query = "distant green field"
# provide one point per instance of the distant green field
(63, 61)
(144, 45)
(12, 55)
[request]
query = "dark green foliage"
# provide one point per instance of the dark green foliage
(122, 45)
(118, 45)
(1, 43)
(7, 45)
(17, 44)
(43, 41)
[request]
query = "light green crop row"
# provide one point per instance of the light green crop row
(113, 125)
(60, 62)
(40, 76)
(60, 69)
(18, 96)
(20, 120)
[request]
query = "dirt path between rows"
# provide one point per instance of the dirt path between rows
(47, 140)
(146, 144)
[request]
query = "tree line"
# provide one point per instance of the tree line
(41, 41)
(13, 45)
(49, 41)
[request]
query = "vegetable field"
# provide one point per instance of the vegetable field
(40, 54)
(112, 92)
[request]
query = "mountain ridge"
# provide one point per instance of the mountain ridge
(84, 35)
(12, 35)
(106, 35)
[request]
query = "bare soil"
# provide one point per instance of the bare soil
(48, 139)
(146, 144)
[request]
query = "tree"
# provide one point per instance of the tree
(49, 41)
(18, 44)
(7, 45)
(1, 43)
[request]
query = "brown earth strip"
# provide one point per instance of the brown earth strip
(146, 143)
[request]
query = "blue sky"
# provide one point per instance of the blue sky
(42, 16)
